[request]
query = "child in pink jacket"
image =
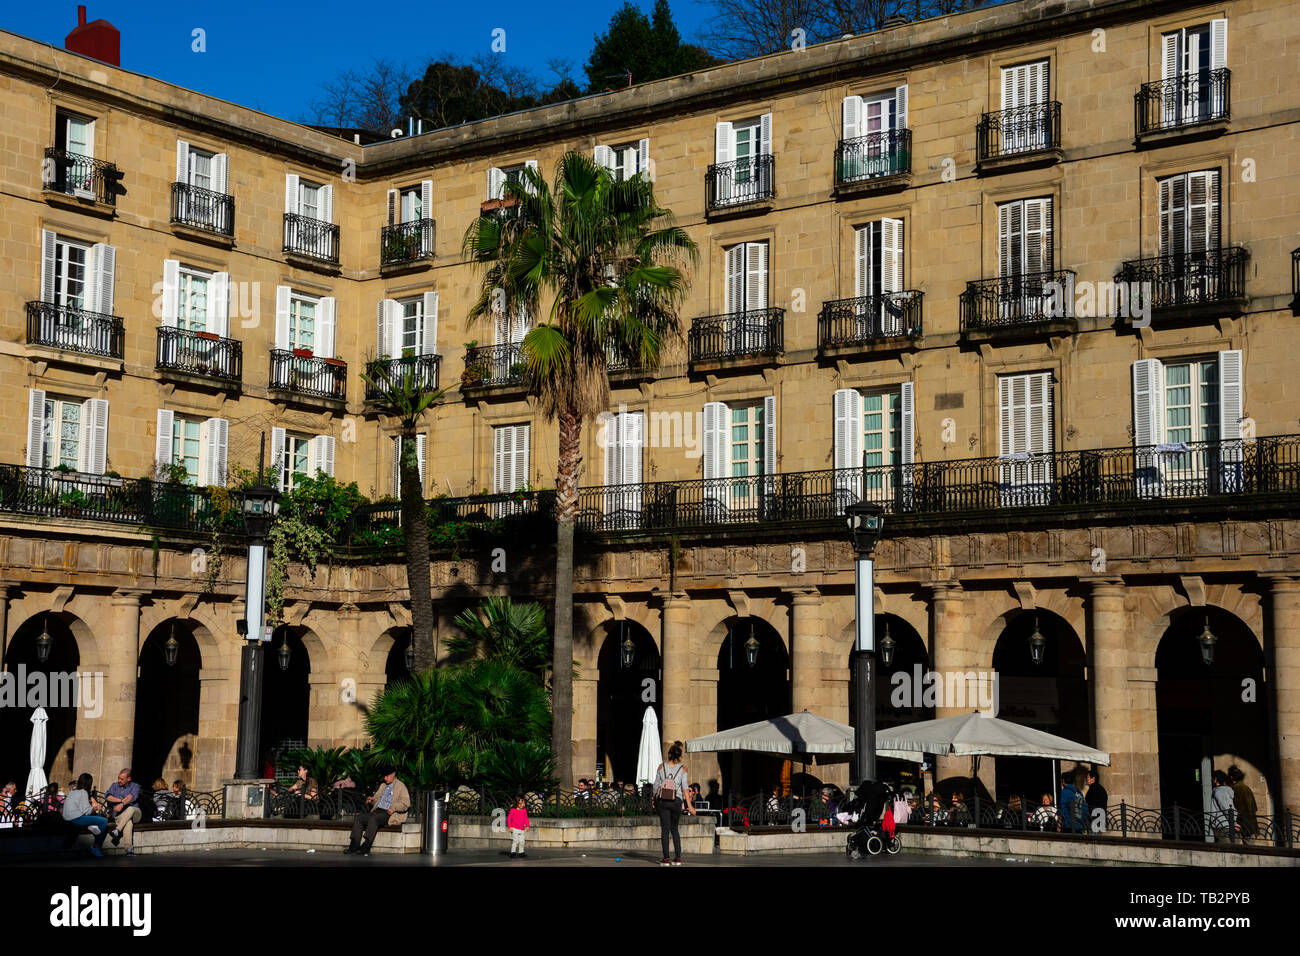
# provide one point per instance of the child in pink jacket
(517, 822)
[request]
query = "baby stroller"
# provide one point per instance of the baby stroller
(873, 834)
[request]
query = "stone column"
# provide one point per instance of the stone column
(952, 651)
(585, 702)
(807, 652)
(359, 678)
(1125, 702)
(1284, 641)
(6, 592)
(677, 707)
(115, 727)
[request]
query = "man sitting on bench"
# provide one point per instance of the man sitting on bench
(388, 806)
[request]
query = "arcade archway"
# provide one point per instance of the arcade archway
(753, 685)
(630, 679)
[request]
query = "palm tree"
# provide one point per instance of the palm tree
(608, 258)
(398, 389)
(514, 633)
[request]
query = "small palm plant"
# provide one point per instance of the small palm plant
(506, 631)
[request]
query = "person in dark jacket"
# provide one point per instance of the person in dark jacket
(1096, 798)
(1071, 807)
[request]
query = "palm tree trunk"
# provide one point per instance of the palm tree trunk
(566, 501)
(415, 531)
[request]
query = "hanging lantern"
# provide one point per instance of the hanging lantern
(627, 650)
(44, 642)
(1037, 644)
(751, 650)
(410, 654)
(284, 653)
(887, 646)
(172, 648)
(1207, 640)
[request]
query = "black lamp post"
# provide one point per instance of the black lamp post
(44, 642)
(259, 508)
(172, 648)
(1207, 640)
(865, 521)
(1037, 644)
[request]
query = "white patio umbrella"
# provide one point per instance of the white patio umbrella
(803, 737)
(651, 752)
(36, 781)
(975, 735)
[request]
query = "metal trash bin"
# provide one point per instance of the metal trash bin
(434, 824)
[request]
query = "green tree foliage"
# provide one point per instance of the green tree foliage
(505, 631)
(649, 48)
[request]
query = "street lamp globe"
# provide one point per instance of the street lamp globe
(865, 519)
(1207, 640)
(261, 505)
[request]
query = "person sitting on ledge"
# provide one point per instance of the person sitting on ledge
(388, 806)
(81, 809)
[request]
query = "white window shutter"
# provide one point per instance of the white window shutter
(1038, 235)
(529, 164)
(282, 294)
(182, 161)
(1006, 413)
(633, 440)
(396, 444)
(327, 204)
(49, 264)
(1202, 216)
(716, 432)
(643, 156)
(1009, 78)
(851, 115)
(735, 278)
(1218, 44)
(765, 134)
(291, 194)
(862, 262)
(723, 143)
(907, 429)
(221, 173)
(891, 255)
(1169, 54)
(171, 292)
(769, 435)
(325, 324)
(1039, 413)
(1148, 402)
(613, 438)
(95, 411)
(219, 308)
(323, 446)
(383, 342)
(429, 338)
(501, 435)
(523, 442)
(103, 269)
(162, 452)
(394, 213)
(426, 199)
(216, 434)
(900, 107)
(847, 413)
(277, 452)
(421, 446)
(604, 157)
(36, 427)
(1231, 390)
(496, 183)
(755, 275)
(1004, 239)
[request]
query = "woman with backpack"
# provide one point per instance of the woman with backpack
(671, 783)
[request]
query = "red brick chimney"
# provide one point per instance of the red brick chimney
(99, 40)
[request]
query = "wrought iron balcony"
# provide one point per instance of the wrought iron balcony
(82, 176)
(406, 242)
(74, 330)
(878, 155)
(737, 334)
(1194, 278)
(308, 375)
(740, 182)
(1025, 129)
(493, 365)
(311, 238)
(1017, 301)
(422, 368)
(1186, 100)
(203, 209)
(869, 319)
(200, 353)
(58, 493)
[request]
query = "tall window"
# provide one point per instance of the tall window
(186, 445)
(510, 446)
(1189, 213)
(1024, 88)
(1025, 438)
(192, 301)
(882, 424)
(737, 147)
(746, 449)
(295, 460)
(1188, 56)
(74, 134)
(412, 326)
(626, 160)
(68, 432)
(71, 259)
(746, 277)
(62, 432)
(1025, 237)
(309, 200)
(878, 263)
(1192, 401)
(499, 176)
(302, 323)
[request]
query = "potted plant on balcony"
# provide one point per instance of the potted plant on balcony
(474, 371)
(71, 503)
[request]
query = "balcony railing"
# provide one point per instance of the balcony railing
(1025, 129)
(1194, 278)
(406, 242)
(1029, 299)
(74, 330)
(81, 176)
(869, 319)
(737, 334)
(423, 369)
(200, 353)
(48, 492)
(1188, 99)
(493, 365)
(874, 156)
(740, 181)
(203, 209)
(308, 375)
(311, 237)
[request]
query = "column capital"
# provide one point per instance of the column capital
(128, 597)
(1104, 586)
(944, 590)
(669, 599)
(804, 597)
(1281, 583)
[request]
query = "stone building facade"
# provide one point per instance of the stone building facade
(879, 221)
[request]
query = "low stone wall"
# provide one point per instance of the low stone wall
(1041, 848)
(604, 833)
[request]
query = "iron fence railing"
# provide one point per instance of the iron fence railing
(1187, 99)
(332, 804)
(308, 375)
(313, 238)
(874, 156)
(493, 365)
(200, 353)
(1024, 129)
(155, 807)
(869, 318)
(1193, 278)
(81, 176)
(383, 373)
(740, 181)
(75, 330)
(551, 804)
(203, 209)
(49, 492)
(736, 334)
(405, 242)
(1027, 299)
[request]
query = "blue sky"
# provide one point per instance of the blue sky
(256, 55)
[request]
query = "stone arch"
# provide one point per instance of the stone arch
(1161, 604)
(1059, 603)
